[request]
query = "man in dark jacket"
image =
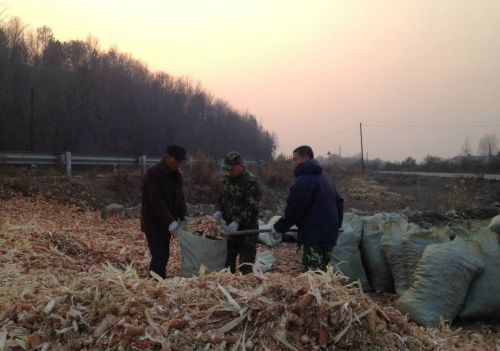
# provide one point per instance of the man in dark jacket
(163, 206)
(315, 207)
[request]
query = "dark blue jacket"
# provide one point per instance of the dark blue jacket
(314, 206)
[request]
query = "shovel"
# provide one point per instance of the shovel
(252, 231)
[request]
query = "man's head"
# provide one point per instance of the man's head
(233, 164)
(302, 154)
(174, 156)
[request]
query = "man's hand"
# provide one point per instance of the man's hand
(172, 228)
(232, 227)
(217, 216)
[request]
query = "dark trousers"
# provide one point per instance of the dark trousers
(246, 247)
(159, 247)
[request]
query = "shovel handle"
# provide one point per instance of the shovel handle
(252, 231)
(247, 231)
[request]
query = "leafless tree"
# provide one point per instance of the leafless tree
(466, 148)
(488, 145)
(87, 100)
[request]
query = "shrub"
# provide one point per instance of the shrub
(202, 178)
(277, 174)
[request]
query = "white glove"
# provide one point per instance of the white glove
(274, 234)
(217, 216)
(232, 227)
(172, 228)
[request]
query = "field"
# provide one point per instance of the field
(73, 280)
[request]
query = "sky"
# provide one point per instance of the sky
(421, 76)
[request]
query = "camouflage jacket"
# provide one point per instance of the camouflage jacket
(239, 198)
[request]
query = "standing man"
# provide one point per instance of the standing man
(238, 204)
(163, 206)
(315, 207)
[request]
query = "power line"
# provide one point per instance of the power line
(435, 125)
(324, 136)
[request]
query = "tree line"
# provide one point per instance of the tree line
(72, 95)
(459, 164)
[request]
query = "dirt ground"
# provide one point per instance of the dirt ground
(384, 192)
(424, 199)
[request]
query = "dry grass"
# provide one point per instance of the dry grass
(202, 179)
(277, 174)
(125, 183)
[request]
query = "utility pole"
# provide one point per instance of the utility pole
(361, 137)
(32, 128)
(340, 151)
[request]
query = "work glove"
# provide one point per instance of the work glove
(217, 216)
(232, 227)
(274, 234)
(172, 228)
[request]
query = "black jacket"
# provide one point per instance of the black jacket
(162, 198)
(314, 206)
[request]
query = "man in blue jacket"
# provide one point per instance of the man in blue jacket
(315, 207)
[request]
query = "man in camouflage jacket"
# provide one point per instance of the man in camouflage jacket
(238, 204)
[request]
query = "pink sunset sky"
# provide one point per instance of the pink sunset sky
(420, 75)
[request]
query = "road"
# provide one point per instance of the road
(446, 175)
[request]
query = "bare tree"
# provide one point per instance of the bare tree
(92, 101)
(409, 163)
(3, 12)
(488, 145)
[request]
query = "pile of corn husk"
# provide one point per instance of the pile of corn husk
(206, 227)
(115, 309)
(68, 280)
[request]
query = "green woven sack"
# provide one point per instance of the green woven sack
(483, 298)
(392, 246)
(442, 279)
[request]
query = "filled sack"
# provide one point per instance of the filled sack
(414, 244)
(197, 251)
(441, 281)
(483, 297)
(376, 266)
(346, 257)
(392, 247)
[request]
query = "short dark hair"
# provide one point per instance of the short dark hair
(177, 152)
(304, 150)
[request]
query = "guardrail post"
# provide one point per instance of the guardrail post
(144, 164)
(67, 163)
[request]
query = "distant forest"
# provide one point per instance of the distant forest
(88, 100)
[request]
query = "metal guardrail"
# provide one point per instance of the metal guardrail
(68, 159)
(51, 159)
(38, 159)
